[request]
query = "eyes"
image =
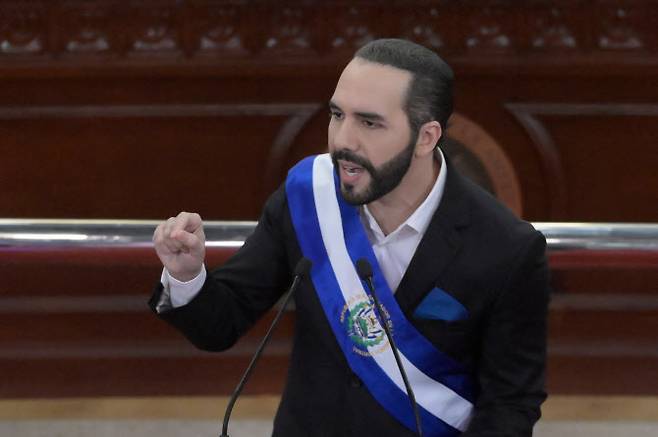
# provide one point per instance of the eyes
(336, 115)
(365, 121)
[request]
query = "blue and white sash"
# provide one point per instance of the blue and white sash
(331, 235)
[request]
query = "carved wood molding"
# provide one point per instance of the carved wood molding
(308, 31)
(492, 156)
(72, 304)
(529, 116)
(157, 111)
(127, 348)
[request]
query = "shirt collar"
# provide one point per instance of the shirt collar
(420, 219)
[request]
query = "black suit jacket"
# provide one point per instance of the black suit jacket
(474, 249)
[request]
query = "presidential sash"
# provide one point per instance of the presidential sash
(331, 235)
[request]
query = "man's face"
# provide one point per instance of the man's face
(369, 137)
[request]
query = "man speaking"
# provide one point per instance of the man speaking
(463, 283)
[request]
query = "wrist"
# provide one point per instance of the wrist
(184, 277)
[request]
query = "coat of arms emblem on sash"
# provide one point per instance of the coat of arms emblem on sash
(359, 318)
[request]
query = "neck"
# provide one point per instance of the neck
(391, 210)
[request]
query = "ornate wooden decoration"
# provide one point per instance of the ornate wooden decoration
(247, 31)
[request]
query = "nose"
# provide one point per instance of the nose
(343, 135)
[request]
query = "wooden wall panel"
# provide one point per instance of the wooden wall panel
(119, 161)
(99, 57)
(589, 150)
(75, 323)
(139, 109)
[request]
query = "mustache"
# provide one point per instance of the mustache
(348, 155)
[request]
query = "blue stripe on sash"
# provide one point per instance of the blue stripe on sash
(411, 343)
(301, 203)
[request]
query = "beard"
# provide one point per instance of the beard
(382, 179)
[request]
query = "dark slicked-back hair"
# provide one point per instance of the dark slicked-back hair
(429, 96)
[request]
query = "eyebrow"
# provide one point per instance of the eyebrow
(366, 115)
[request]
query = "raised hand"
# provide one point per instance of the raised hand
(181, 245)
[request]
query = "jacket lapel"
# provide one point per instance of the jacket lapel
(438, 247)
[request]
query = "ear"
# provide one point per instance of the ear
(428, 136)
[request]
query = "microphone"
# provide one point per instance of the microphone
(364, 269)
(301, 269)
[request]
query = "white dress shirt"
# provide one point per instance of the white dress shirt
(393, 251)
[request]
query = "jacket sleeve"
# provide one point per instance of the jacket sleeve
(235, 295)
(511, 370)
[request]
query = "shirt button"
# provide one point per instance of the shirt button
(355, 381)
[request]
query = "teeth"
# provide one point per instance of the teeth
(351, 170)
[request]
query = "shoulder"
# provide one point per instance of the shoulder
(492, 219)
(499, 252)
(496, 243)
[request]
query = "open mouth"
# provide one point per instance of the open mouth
(351, 169)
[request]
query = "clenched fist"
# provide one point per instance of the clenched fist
(181, 245)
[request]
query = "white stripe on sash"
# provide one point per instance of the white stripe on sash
(435, 397)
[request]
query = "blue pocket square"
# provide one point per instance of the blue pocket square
(439, 305)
